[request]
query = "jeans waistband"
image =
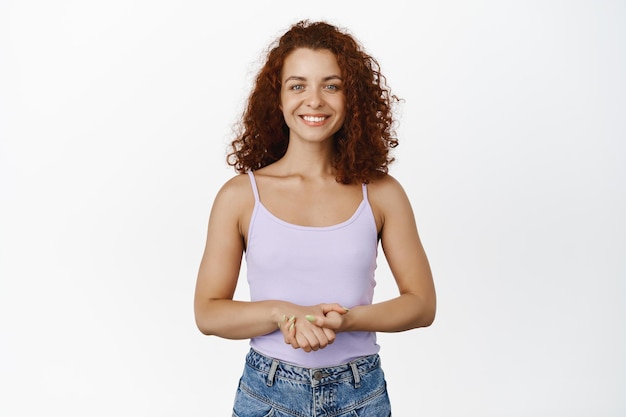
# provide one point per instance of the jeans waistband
(275, 368)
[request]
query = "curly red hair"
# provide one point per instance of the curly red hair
(362, 144)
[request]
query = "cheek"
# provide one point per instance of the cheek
(341, 102)
(284, 103)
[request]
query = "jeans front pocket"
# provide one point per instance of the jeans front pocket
(247, 405)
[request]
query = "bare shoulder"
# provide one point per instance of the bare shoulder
(388, 199)
(386, 190)
(236, 186)
(235, 196)
(233, 207)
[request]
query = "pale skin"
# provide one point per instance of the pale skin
(300, 188)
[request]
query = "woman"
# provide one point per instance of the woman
(312, 200)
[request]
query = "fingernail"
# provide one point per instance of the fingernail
(292, 326)
(310, 318)
(346, 308)
(292, 318)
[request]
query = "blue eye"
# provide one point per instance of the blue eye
(332, 87)
(296, 87)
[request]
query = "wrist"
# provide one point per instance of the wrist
(347, 324)
(279, 312)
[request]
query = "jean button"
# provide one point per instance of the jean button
(318, 375)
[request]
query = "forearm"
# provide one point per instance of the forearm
(239, 319)
(408, 311)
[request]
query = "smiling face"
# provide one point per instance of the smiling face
(311, 96)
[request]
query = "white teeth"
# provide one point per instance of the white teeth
(313, 119)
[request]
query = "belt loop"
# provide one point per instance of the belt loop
(270, 376)
(355, 373)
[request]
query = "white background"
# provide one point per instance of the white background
(114, 120)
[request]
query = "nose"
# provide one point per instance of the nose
(314, 100)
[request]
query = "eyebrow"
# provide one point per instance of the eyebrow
(299, 78)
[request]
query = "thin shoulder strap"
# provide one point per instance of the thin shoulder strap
(255, 191)
(364, 186)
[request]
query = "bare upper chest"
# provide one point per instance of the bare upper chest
(309, 203)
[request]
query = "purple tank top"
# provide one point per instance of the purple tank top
(310, 265)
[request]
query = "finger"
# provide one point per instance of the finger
(302, 342)
(287, 335)
(329, 334)
(312, 337)
(318, 321)
(289, 330)
(320, 338)
(291, 335)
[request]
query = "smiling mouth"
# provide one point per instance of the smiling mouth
(314, 119)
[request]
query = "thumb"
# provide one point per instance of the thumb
(327, 308)
(318, 321)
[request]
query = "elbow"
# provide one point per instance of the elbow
(429, 308)
(211, 320)
(429, 313)
(203, 328)
(429, 319)
(205, 325)
(208, 328)
(426, 313)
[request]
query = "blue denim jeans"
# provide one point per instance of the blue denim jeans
(271, 388)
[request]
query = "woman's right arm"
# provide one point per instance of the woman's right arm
(215, 310)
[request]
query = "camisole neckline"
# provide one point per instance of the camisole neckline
(261, 206)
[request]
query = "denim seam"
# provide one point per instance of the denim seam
(375, 394)
(272, 404)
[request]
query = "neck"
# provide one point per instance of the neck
(309, 159)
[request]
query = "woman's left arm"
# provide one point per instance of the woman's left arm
(416, 304)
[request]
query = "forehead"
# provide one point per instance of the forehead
(304, 62)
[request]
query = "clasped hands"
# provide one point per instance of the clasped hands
(312, 328)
